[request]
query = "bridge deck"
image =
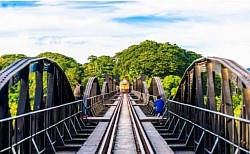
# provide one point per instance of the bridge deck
(159, 144)
(124, 139)
(92, 143)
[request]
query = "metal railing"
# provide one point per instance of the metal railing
(208, 131)
(148, 100)
(205, 130)
(44, 130)
(92, 106)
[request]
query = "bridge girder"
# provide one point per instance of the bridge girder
(198, 87)
(58, 92)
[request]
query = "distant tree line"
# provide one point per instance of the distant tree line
(165, 60)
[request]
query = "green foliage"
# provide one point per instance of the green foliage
(237, 110)
(150, 58)
(13, 109)
(14, 91)
(73, 70)
(153, 59)
(170, 84)
(218, 101)
(236, 100)
(217, 85)
(99, 66)
(6, 60)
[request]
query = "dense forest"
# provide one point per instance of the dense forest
(149, 58)
(165, 60)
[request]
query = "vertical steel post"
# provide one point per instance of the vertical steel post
(5, 138)
(199, 101)
(245, 139)
(23, 124)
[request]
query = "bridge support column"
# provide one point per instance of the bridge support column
(227, 107)
(244, 134)
(6, 127)
(199, 103)
(211, 103)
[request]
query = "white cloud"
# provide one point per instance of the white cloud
(212, 28)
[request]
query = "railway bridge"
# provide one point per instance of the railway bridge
(106, 121)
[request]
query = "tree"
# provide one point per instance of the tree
(170, 84)
(73, 70)
(153, 59)
(7, 59)
(98, 66)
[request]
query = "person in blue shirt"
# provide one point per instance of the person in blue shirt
(159, 106)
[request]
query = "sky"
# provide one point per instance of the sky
(79, 29)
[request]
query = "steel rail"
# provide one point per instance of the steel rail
(106, 139)
(140, 138)
(112, 137)
(147, 148)
(139, 132)
(136, 132)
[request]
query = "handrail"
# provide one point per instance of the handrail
(69, 113)
(38, 111)
(211, 111)
(235, 145)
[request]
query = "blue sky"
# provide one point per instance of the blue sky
(18, 4)
(82, 28)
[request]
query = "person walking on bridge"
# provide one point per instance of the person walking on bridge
(78, 91)
(159, 106)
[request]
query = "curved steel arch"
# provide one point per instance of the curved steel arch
(109, 84)
(191, 91)
(144, 87)
(92, 88)
(229, 70)
(58, 92)
(58, 84)
(105, 87)
(140, 84)
(156, 88)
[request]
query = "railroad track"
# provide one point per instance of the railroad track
(125, 132)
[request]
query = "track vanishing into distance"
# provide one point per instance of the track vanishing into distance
(125, 141)
(125, 134)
